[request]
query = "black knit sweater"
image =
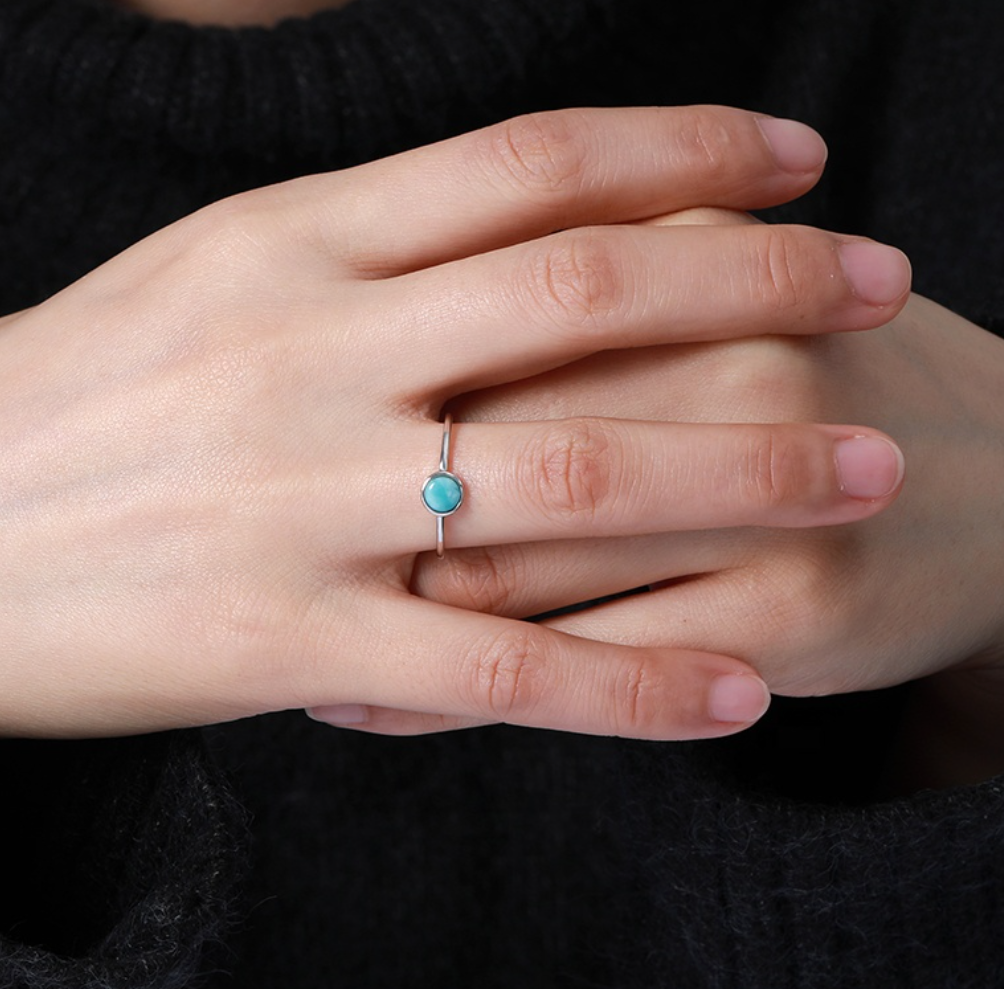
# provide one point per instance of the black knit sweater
(504, 857)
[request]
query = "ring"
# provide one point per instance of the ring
(443, 491)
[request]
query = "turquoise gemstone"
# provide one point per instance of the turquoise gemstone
(442, 493)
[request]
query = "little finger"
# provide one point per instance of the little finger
(429, 658)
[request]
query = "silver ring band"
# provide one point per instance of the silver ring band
(443, 491)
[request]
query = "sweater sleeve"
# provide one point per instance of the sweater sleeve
(122, 856)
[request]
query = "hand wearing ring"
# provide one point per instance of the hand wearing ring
(212, 472)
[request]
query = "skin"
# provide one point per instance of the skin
(212, 468)
(951, 734)
(230, 13)
(912, 594)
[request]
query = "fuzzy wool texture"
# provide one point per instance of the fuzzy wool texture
(756, 878)
(504, 857)
(125, 856)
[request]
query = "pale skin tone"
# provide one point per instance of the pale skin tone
(230, 13)
(912, 592)
(813, 610)
(211, 499)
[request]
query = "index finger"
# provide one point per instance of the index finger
(535, 174)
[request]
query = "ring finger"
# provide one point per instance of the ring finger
(590, 477)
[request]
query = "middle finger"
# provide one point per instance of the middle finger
(524, 309)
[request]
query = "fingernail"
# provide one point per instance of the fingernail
(878, 274)
(868, 467)
(339, 714)
(738, 697)
(797, 148)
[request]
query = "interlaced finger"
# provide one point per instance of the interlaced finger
(428, 658)
(522, 310)
(531, 175)
(520, 580)
(592, 477)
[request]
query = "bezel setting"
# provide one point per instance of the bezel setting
(430, 480)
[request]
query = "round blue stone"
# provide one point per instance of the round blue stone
(442, 493)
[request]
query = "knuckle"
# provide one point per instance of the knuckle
(505, 672)
(477, 579)
(570, 469)
(802, 595)
(777, 263)
(226, 231)
(777, 469)
(542, 154)
(707, 141)
(638, 704)
(798, 584)
(578, 279)
(772, 379)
